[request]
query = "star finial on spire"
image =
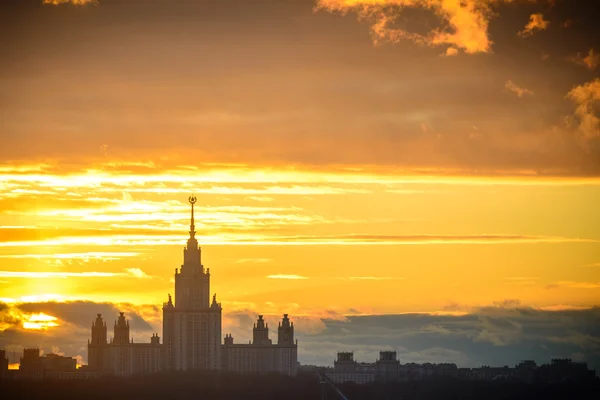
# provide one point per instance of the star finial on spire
(192, 199)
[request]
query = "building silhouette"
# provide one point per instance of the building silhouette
(192, 333)
(388, 369)
(3, 364)
(120, 355)
(34, 366)
(192, 325)
(261, 355)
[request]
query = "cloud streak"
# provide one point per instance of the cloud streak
(130, 272)
(590, 61)
(299, 240)
(290, 277)
(74, 2)
(536, 23)
(587, 98)
(519, 91)
(464, 24)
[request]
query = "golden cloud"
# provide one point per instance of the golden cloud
(587, 99)
(465, 22)
(519, 91)
(590, 61)
(75, 2)
(536, 23)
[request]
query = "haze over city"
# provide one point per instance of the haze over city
(415, 175)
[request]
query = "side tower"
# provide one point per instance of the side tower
(286, 361)
(98, 346)
(121, 330)
(192, 324)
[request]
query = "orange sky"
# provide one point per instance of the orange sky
(350, 157)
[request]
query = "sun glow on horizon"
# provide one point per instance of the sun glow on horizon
(40, 321)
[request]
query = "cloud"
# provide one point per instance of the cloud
(587, 98)
(574, 285)
(137, 273)
(536, 23)
(519, 91)
(590, 61)
(254, 260)
(286, 277)
(130, 272)
(75, 256)
(75, 2)
(500, 334)
(372, 278)
(493, 335)
(464, 23)
(136, 240)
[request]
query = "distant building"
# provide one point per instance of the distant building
(347, 369)
(121, 356)
(261, 355)
(3, 364)
(30, 365)
(387, 367)
(34, 366)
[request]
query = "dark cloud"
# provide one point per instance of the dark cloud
(494, 335)
(219, 81)
(74, 321)
(502, 334)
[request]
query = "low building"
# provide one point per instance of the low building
(261, 356)
(347, 369)
(387, 367)
(120, 356)
(3, 365)
(34, 366)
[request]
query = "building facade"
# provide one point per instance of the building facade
(3, 364)
(347, 369)
(121, 356)
(262, 356)
(192, 324)
(34, 366)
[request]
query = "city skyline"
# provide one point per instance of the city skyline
(394, 175)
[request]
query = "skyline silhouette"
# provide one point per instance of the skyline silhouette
(418, 177)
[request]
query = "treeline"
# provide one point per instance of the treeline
(205, 386)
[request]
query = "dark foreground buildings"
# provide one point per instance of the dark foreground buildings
(388, 369)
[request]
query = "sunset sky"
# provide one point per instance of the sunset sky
(422, 175)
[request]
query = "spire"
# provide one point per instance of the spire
(192, 199)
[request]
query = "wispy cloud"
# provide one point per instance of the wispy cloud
(299, 240)
(286, 277)
(131, 272)
(587, 97)
(464, 27)
(536, 23)
(372, 278)
(522, 280)
(574, 285)
(137, 273)
(591, 60)
(519, 91)
(75, 2)
(253, 260)
(69, 256)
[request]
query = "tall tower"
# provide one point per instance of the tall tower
(192, 325)
(97, 348)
